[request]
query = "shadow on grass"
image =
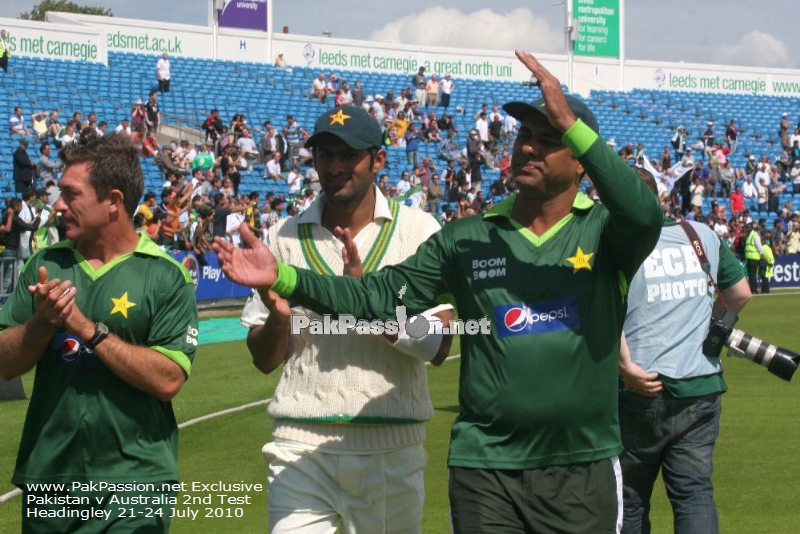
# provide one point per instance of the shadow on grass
(451, 409)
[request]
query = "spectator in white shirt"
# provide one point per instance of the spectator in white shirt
(482, 125)
(17, 123)
(294, 180)
(248, 146)
(404, 184)
(124, 128)
(273, 168)
(162, 70)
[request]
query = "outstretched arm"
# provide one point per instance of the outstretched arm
(635, 212)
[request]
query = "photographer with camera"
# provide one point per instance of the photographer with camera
(669, 408)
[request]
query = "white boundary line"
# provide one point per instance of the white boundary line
(15, 492)
(10, 495)
(214, 415)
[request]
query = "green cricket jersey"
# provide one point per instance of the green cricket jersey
(542, 388)
(84, 422)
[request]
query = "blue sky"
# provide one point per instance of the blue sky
(695, 32)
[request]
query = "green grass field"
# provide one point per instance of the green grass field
(757, 475)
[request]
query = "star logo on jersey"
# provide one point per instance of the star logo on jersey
(338, 118)
(580, 261)
(122, 304)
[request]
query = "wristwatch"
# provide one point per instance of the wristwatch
(100, 333)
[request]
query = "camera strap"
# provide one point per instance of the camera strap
(705, 264)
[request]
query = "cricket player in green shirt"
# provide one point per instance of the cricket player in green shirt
(109, 322)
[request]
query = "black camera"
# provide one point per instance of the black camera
(779, 361)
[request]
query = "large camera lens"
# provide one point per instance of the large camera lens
(783, 364)
(779, 361)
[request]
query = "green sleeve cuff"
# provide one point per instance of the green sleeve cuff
(178, 357)
(579, 138)
(287, 280)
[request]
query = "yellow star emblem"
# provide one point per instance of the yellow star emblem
(121, 305)
(580, 260)
(339, 117)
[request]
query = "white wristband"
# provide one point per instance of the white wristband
(424, 348)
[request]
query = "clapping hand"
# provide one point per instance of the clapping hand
(254, 266)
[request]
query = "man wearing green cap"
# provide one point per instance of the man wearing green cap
(534, 447)
(349, 409)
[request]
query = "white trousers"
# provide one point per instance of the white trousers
(315, 492)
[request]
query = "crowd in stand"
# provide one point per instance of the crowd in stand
(697, 181)
(201, 198)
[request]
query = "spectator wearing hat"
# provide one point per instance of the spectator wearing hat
(688, 158)
(751, 166)
(24, 168)
(448, 86)
(376, 103)
(138, 114)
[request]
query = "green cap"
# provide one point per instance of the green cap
(351, 124)
(519, 110)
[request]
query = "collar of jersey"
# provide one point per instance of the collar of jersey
(145, 246)
(313, 213)
(504, 209)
